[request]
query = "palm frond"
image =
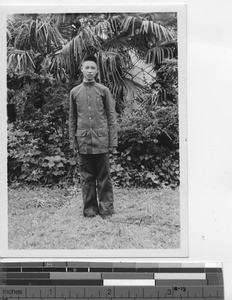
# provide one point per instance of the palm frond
(8, 35)
(126, 23)
(127, 85)
(110, 65)
(53, 64)
(102, 29)
(48, 35)
(132, 85)
(9, 29)
(161, 32)
(135, 25)
(115, 23)
(117, 43)
(37, 33)
(21, 35)
(20, 61)
(157, 54)
(60, 18)
(112, 72)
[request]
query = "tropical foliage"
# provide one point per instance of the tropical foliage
(112, 38)
(44, 54)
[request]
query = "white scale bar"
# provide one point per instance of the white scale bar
(128, 282)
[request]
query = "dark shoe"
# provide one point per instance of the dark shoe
(106, 217)
(90, 212)
(89, 216)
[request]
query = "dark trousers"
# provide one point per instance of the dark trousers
(95, 177)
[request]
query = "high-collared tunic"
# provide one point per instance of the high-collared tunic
(92, 119)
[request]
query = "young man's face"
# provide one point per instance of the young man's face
(89, 70)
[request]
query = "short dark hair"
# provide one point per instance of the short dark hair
(90, 58)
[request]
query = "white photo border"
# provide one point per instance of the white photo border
(182, 72)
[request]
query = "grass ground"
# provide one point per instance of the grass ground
(43, 218)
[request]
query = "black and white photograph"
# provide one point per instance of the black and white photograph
(96, 130)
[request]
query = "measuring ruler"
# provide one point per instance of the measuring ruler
(101, 280)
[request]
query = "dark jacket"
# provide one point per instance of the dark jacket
(92, 119)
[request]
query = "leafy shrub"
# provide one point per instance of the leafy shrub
(167, 76)
(148, 152)
(23, 155)
(38, 151)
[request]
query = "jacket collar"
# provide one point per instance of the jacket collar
(86, 83)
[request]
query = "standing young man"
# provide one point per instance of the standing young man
(93, 132)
